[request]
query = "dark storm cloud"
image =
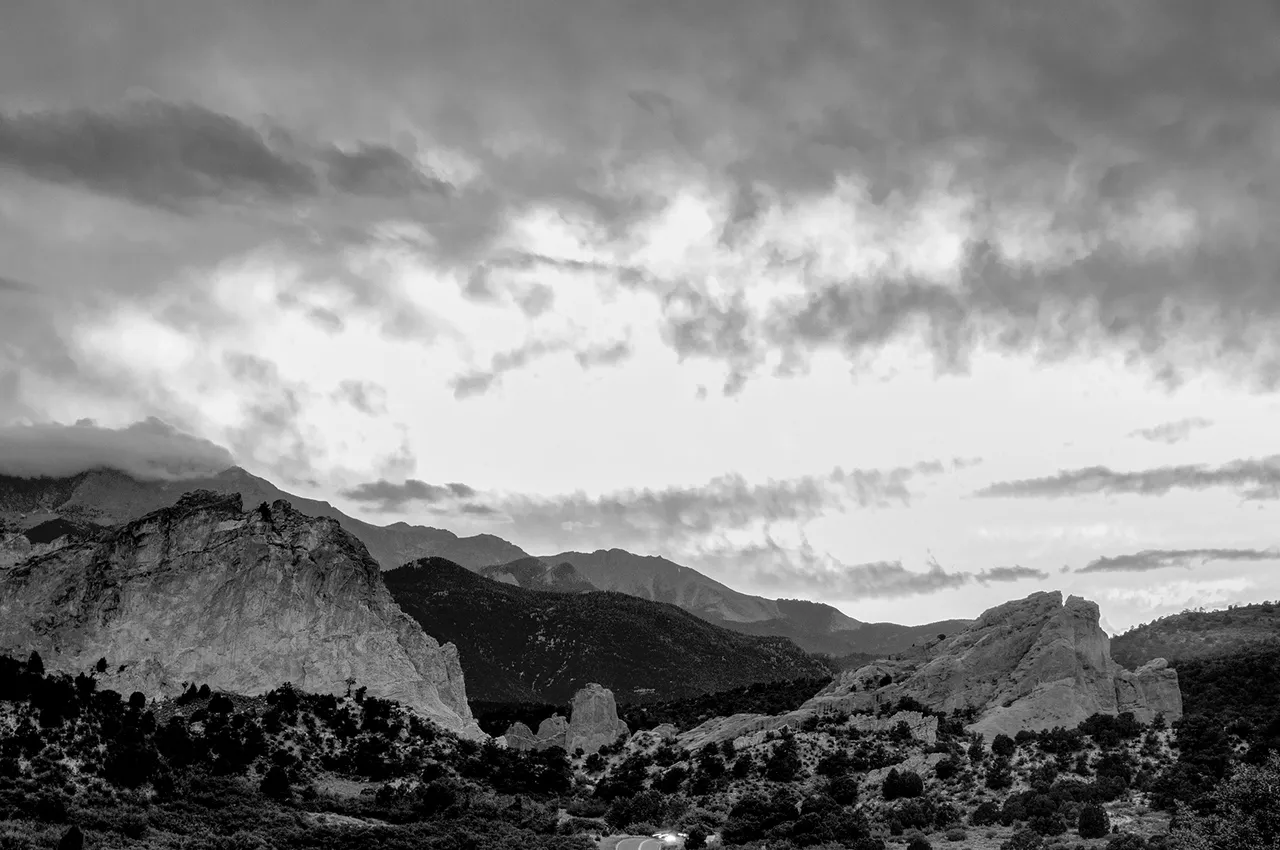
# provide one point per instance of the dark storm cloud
(1159, 559)
(1128, 147)
(772, 566)
(1172, 432)
(150, 449)
(172, 154)
(385, 496)
(1254, 478)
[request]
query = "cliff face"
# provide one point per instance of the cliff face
(593, 723)
(204, 591)
(1033, 663)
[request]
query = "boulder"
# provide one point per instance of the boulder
(593, 720)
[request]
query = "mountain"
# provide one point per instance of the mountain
(110, 497)
(519, 644)
(1199, 634)
(204, 591)
(537, 574)
(813, 626)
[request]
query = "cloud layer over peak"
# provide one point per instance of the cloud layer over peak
(150, 449)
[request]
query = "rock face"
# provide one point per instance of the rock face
(594, 721)
(1033, 663)
(204, 591)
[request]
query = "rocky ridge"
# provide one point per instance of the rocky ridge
(593, 723)
(204, 591)
(1032, 663)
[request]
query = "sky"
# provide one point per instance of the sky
(909, 307)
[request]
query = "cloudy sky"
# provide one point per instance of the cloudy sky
(907, 306)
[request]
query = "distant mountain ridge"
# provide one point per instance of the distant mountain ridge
(105, 497)
(542, 647)
(110, 497)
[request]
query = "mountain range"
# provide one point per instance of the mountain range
(543, 647)
(41, 507)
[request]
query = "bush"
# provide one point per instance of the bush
(902, 785)
(1026, 839)
(956, 835)
(986, 814)
(919, 842)
(1093, 822)
(1003, 746)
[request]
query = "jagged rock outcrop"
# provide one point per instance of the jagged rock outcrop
(593, 721)
(519, 737)
(204, 591)
(1033, 663)
(552, 732)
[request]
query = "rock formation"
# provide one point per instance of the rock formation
(1033, 663)
(204, 591)
(593, 722)
(747, 729)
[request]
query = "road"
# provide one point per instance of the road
(640, 844)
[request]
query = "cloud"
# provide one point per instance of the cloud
(150, 449)
(1159, 559)
(1003, 574)
(1172, 432)
(777, 568)
(365, 396)
(1256, 478)
(609, 354)
(387, 497)
(674, 516)
(480, 381)
(170, 155)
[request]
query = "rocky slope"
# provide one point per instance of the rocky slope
(204, 591)
(1033, 663)
(519, 644)
(108, 497)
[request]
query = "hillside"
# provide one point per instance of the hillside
(110, 497)
(524, 645)
(1198, 634)
(537, 574)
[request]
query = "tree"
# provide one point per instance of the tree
(72, 839)
(35, 664)
(919, 842)
(697, 839)
(1247, 812)
(905, 784)
(1093, 822)
(1003, 746)
(101, 666)
(276, 784)
(137, 700)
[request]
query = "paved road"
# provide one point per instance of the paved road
(640, 844)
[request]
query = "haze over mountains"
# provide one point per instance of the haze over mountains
(108, 496)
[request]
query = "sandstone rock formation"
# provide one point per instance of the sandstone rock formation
(1033, 663)
(519, 737)
(204, 591)
(747, 729)
(593, 722)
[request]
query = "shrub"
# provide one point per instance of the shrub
(956, 835)
(945, 769)
(697, 839)
(902, 785)
(72, 839)
(1093, 822)
(919, 842)
(1003, 746)
(1026, 839)
(986, 814)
